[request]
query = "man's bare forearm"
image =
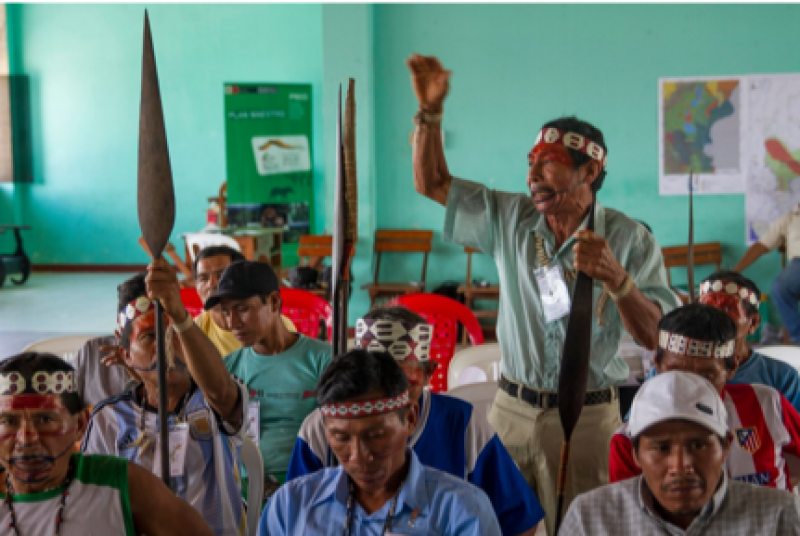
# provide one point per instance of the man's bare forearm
(640, 317)
(750, 256)
(431, 176)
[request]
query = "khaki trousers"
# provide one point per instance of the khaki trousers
(533, 437)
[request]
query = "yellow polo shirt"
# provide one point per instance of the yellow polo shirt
(224, 340)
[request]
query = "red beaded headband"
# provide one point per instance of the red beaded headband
(682, 345)
(572, 141)
(349, 410)
(729, 287)
(404, 341)
(134, 310)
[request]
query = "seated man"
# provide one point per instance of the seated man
(681, 438)
(50, 489)
(701, 339)
(206, 405)
(738, 297)
(369, 419)
(449, 436)
(100, 372)
(280, 368)
(209, 264)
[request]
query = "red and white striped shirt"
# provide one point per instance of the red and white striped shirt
(766, 431)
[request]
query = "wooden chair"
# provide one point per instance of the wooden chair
(472, 292)
(399, 241)
(312, 251)
(169, 249)
(675, 256)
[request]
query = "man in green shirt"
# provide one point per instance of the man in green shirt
(280, 368)
(539, 242)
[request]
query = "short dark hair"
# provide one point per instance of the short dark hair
(215, 251)
(573, 124)
(358, 372)
(742, 281)
(128, 291)
(398, 313)
(28, 363)
(702, 322)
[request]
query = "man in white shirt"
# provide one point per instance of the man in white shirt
(785, 291)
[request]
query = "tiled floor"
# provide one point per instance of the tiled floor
(51, 304)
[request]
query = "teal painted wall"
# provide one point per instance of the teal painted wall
(517, 66)
(84, 62)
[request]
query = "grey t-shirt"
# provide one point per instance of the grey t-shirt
(94, 380)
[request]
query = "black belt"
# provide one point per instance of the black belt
(544, 400)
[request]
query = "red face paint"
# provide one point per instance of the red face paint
(45, 415)
(31, 402)
(552, 152)
(728, 304)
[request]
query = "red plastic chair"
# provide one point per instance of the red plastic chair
(306, 310)
(191, 300)
(444, 315)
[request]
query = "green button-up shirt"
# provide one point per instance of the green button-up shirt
(505, 226)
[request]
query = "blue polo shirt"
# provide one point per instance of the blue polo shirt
(449, 437)
(429, 502)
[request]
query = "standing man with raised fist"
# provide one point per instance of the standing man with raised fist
(539, 243)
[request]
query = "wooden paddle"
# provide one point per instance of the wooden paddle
(574, 372)
(156, 208)
(690, 252)
(345, 216)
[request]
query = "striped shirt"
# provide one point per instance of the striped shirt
(766, 431)
(98, 502)
(736, 509)
(210, 481)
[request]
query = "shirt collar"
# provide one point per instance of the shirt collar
(413, 494)
(647, 500)
(541, 228)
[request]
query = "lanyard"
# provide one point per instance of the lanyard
(387, 525)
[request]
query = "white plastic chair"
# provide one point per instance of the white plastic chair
(480, 395)
(787, 354)
(201, 241)
(474, 365)
(65, 346)
(251, 459)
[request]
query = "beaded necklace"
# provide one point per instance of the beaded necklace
(59, 515)
(387, 525)
(544, 260)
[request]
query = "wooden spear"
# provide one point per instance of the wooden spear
(574, 372)
(156, 210)
(690, 252)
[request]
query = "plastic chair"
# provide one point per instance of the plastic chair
(787, 354)
(192, 301)
(480, 395)
(444, 315)
(306, 310)
(65, 346)
(474, 365)
(251, 459)
(197, 241)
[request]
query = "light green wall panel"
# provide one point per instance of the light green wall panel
(84, 62)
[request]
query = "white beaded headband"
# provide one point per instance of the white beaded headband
(404, 341)
(682, 345)
(134, 310)
(350, 410)
(572, 140)
(729, 287)
(42, 383)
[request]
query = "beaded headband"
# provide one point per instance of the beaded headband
(572, 141)
(682, 345)
(41, 383)
(404, 341)
(350, 410)
(134, 310)
(729, 287)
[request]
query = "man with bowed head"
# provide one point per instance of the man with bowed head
(49, 488)
(539, 243)
(380, 486)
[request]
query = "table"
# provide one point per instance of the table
(263, 244)
(18, 261)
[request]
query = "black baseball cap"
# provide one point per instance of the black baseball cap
(243, 279)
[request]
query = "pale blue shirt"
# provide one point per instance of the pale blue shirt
(430, 502)
(505, 226)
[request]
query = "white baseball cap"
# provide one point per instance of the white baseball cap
(678, 395)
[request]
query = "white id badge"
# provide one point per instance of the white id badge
(253, 421)
(178, 443)
(554, 292)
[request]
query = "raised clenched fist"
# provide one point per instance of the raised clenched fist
(430, 81)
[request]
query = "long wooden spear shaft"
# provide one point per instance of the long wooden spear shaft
(690, 252)
(574, 372)
(345, 216)
(156, 210)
